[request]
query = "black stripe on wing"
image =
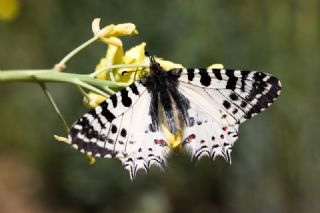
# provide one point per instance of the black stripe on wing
(92, 132)
(250, 91)
(82, 133)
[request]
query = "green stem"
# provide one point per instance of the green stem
(55, 107)
(111, 76)
(92, 88)
(79, 88)
(53, 76)
(75, 51)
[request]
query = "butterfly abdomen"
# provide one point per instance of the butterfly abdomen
(168, 104)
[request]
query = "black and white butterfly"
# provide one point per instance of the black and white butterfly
(206, 105)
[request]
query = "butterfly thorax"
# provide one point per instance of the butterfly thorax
(168, 106)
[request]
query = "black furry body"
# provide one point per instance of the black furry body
(168, 105)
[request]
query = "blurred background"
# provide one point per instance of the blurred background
(276, 161)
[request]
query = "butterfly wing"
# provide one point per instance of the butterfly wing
(233, 95)
(121, 127)
(206, 136)
(219, 101)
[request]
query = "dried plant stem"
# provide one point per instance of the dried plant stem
(55, 107)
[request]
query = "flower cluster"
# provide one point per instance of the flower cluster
(116, 55)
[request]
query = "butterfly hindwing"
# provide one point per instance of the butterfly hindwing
(121, 127)
(146, 145)
(207, 136)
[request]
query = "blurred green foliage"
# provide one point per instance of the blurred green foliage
(276, 161)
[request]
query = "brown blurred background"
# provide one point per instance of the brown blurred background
(276, 161)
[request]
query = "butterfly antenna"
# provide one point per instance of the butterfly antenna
(152, 60)
(135, 71)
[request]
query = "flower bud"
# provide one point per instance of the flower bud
(124, 29)
(112, 30)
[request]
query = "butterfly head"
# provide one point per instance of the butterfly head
(155, 67)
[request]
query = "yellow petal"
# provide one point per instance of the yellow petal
(124, 29)
(114, 55)
(113, 42)
(104, 32)
(102, 65)
(168, 65)
(93, 100)
(113, 30)
(174, 141)
(216, 66)
(95, 25)
(135, 55)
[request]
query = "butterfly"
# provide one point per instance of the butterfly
(205, 106)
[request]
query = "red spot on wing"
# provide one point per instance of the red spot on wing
(225, 128)
(222, 136)
(159, 141)
(191, 137)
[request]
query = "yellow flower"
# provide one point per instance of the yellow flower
(113, 56)
(111, 30)
(9, 9)
(135, 55)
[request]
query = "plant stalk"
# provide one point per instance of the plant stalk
(86, 81)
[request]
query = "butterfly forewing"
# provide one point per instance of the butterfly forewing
(240, 94)
(120, 127)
